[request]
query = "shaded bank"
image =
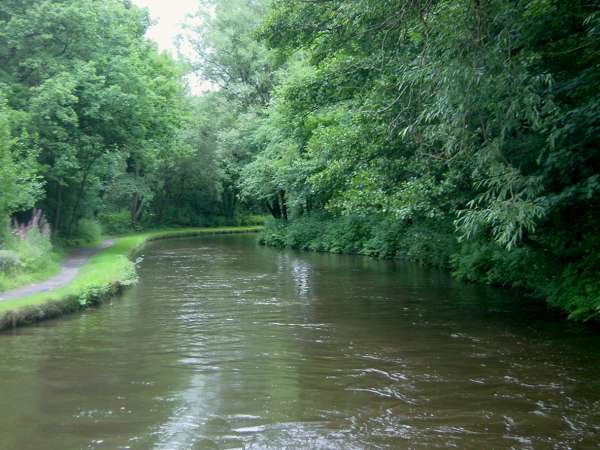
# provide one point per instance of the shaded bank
(102, 277)
(535, 273)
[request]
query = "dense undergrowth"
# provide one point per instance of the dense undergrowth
(574, 289)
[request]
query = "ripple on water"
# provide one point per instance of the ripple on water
(226, 345)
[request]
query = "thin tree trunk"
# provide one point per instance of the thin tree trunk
(58, 210)
(80, 192)
(283, 206)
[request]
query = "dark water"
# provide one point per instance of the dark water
(224, 344)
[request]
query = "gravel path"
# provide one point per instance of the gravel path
(68, 271)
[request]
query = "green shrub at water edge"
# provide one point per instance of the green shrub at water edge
(488, 263)
(573, 288)
(372, 236)
(577, 289)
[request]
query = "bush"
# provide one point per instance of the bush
(27, 255)
(89, 232)
(382, 237)
(273, 235)
(34, 251)
(9, 261)
(577, 289)
(385, 240)
(250, 219)
(488, 263)
(430, 243)
(305, 234)
(118, 222)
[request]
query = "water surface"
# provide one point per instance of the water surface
(224, 344)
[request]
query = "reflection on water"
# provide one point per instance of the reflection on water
(227, 345)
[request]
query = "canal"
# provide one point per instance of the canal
(224, 344)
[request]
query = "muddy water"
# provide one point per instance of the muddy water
(224, 344)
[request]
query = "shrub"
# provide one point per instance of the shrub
(274, 234)
(385, 239)
(118, 222)
(346, 235)
(489, 263)
(577, 288)
(430, 243)
(377, 236)
(9, 261)
(35, 250)
(89, 232)
(27, 246)
(250, 219)
(214, 221)
(304, 233)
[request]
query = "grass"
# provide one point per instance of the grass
(104, 275)
(47, 270)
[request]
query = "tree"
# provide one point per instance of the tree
(20, 184)
(103, 104)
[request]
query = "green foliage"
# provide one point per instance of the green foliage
(374, 236)
(97, 106)
(490, 263)
(117, 222)
(228, 120)
(470, 128)
(20, 185)
(246, 219)
(88, 233)
(274, 234)
(27, 259)
(577, 289)
(9, 261)
(35, 251)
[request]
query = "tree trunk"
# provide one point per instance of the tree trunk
(283, 206)
(137, 209)
(79, 196)
(58, 210)
(274, 209)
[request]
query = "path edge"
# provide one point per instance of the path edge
(52, 309)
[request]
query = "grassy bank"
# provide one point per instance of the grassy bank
(104, 275)
(40, 273)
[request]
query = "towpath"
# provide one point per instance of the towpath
(68, 271)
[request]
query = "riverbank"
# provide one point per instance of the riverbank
(104, 275)
(15, 281)
(65, 271)
(567, 289)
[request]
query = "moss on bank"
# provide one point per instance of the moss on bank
(103, 276)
